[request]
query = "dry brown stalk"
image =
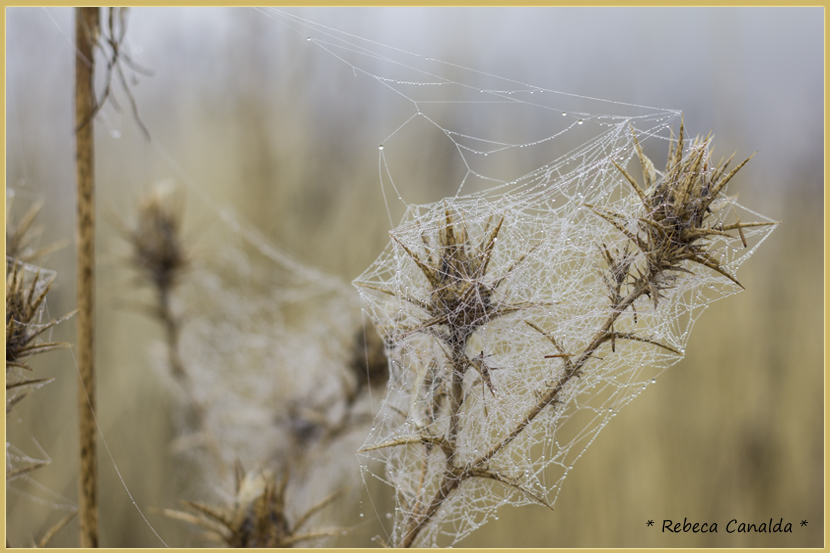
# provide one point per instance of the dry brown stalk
(86, 35)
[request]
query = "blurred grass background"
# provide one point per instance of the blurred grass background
(286, 135)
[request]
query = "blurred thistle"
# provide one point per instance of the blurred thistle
(257, 517)
(158, 252)
(159, 255)
(21, 236)
(367, 368)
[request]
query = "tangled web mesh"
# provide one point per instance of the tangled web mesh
(511, 341)
(544, 292)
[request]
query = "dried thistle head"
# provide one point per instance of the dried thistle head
(676, 224)
(24, 307)
(259, 519)
(460, 289)
(158, 251)
(258, 516)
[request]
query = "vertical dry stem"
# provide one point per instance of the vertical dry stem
(86, 32)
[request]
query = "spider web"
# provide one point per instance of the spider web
(537, 165)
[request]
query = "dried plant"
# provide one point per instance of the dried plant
(47, 536)
(258, 516)
(25, 299)
(159, 255)
(460, 301)
(110, 41)
(87, 32)
(26, 291)
(22, 237)
(327, 421)
(454, 438)
(674, 226)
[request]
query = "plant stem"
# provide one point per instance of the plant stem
(453, 477)
(86, 33)
(571, 370)
(449, 483)
(171, 332)
(459, 362)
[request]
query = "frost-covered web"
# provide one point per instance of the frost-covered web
(488, 299)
